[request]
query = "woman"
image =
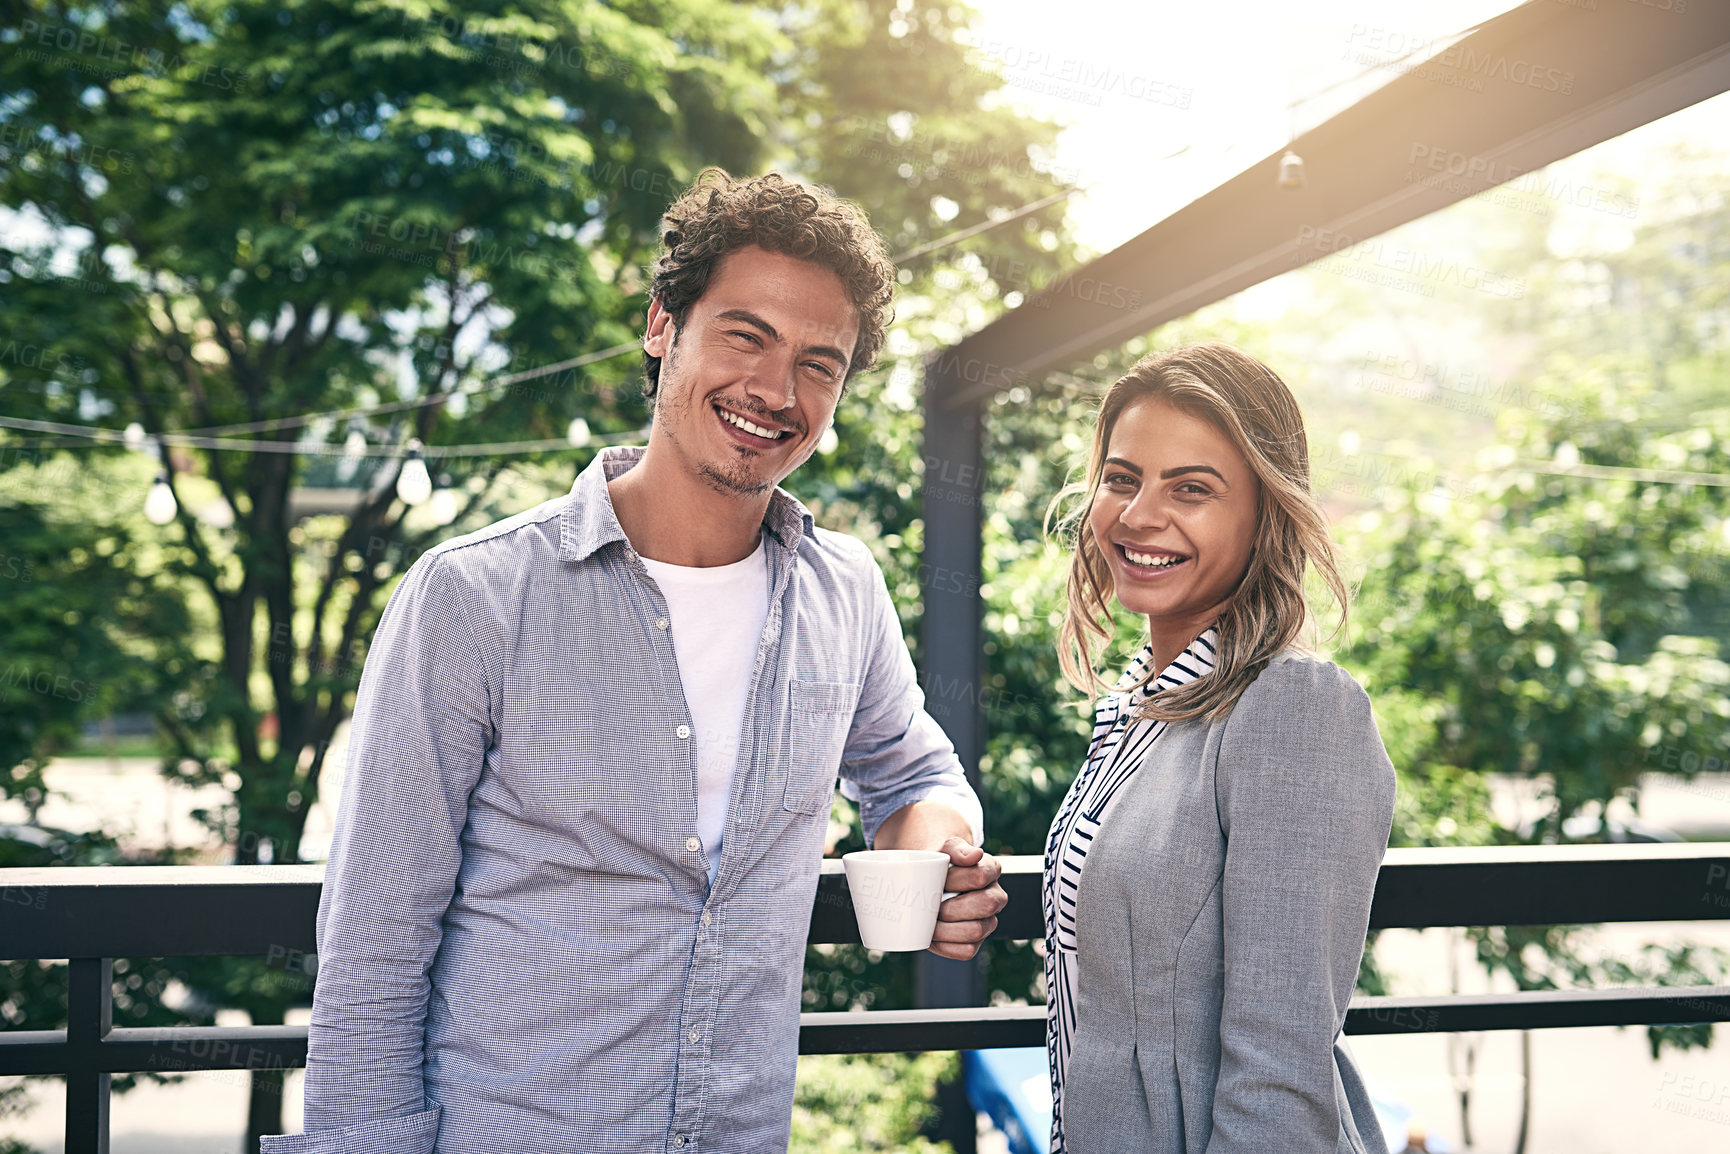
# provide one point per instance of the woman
(1208, 877)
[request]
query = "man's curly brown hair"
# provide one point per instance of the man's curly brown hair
(719, 214)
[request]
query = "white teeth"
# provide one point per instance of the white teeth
(1149, 560)
(758, 430)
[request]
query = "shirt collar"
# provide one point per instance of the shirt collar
(1194, 662)
(589, 522)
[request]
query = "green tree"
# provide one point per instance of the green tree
(240, 214)
(276, 209)
(245, 213)
(861, 1102)
(75, 616)
(1562, 613)
(1560, 627)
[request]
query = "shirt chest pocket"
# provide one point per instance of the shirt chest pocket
(822, 713)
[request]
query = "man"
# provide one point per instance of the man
(596, 744)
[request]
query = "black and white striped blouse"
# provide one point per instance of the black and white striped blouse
(1119, 745)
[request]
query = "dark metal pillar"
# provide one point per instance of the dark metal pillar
(952, 634)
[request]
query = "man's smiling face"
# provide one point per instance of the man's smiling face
(749, 383)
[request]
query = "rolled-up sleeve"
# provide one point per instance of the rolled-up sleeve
(896, 753)
(421, 729)
(1305, 795)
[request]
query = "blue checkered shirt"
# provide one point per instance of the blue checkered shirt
(519, 949)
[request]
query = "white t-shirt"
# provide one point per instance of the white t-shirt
(717, 615)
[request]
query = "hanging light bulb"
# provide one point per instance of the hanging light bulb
(578, 433)
(444, 505)
(159, 504)
(414, 484)
(1291, 170)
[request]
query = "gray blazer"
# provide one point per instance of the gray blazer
(1219, 923)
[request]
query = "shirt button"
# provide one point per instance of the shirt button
(661, 623)
(683, 731)
(706, 917)
(679, 1141)
(693, 1035)
(693, 844)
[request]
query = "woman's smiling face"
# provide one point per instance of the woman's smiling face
(1175, 515)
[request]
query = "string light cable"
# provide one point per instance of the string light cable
(503, 382)
(1566, 464)
(214, 437)
(88, 436)
(223, 437)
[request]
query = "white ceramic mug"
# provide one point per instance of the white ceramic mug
(896, 893)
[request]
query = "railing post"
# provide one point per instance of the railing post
(89, 1017)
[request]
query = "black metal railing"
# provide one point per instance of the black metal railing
(92, 916)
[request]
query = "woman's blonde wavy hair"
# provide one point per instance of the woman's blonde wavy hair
(1246, 401)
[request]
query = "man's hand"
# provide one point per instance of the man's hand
(968, 918)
